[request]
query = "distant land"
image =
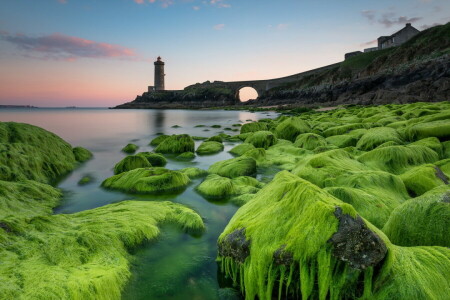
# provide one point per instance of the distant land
(17, 106)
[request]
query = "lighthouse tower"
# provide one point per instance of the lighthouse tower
(159, 74)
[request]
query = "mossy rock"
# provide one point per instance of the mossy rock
(186, 156)
(216, 126)
(155, 159)
(262, 139)
(258, 154)
(158, 140)
(130, 148)
(216, 187)
(343, 129)
(240, 166)
(432, 143)
(193, 172)
(310, 141)
(290, 128)
(423, 178)
(209, 147)
(342, 141)
(148, 181)
(423, 221)
(439, 129)
(241, 149)
(199, 138)
(131, 162)
(253, 127)
(216, 138)
(85, 180)
(176, 144)
(30, 152)
(81, 154)
(377, 136)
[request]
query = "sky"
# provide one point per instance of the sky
(100, 53)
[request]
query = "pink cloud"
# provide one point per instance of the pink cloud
(219, 26)
(220, 3)
(63, 47)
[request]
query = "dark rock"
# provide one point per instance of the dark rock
(446, 197)
(441, 175)
(235, 245)
(356, 244)
(5, 227)
(282, 256)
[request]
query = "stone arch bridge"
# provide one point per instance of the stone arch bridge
(261, 86)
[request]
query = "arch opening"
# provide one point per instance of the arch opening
(246, 93)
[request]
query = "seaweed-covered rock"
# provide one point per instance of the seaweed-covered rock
(158, 140)
(262, 139)
(216, 187)
(310, 141)
(432, 143)
(30, 152)
(377, 136)
(423, 178)
(131, 162)
(290, 128)
(186, 156)
(81, 154)
(439, 129)
(130, 148)
(253, 127)
(155, 159)
(176, 144)
(342, 141)
(240, 166)
(258, 154)
(85, 180)
(147, 181)
(216, 138)
(193, 172)
(343, 129)
(209, 147)
(241, 149)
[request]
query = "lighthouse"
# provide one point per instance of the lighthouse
(159, 74)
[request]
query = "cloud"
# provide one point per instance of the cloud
(426, 26)
(63, 47)
(282, 26)
(387, 19)
(370, 43)
(219, 3)
(163, 3)
(196, 7)
(219, 26)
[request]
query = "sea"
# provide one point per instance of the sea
(176, 265)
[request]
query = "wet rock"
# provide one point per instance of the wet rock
(355, 244)
(283, 257)
(235, 245)
(5, 227)
(441, 175)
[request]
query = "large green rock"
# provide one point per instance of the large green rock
(131, 162)
(240, 166)
(176, 144)
(209, 147)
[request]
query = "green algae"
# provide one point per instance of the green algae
(81, 154)
(148, 181)
(262, 139)
(176, 144)
(342, 140)
(30, 152)
(158, 140)
(209, 147)
(397, 159)
(216, 187)
(155, 159)
(310, 141)
(343, 129)
(193, 172)
(421, 179)
(258, 154)
(215, 138)
(439, 129)
(290, 128)
(422, 221)
(131, 162)
(253, 127)
(130, 148)
(241, 149)
(377, 136)
(186, 156)
(85, 180)
(432, 143)
(240, 166)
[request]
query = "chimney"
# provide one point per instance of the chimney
(408, 24)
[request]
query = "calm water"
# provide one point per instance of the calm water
(176, 266)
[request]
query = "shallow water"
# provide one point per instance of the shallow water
(176, 265)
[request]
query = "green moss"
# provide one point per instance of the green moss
(30, 152)
(193, 172)
(186, 156)
(241, 149)
(262, 139)
(388, 144)
(200, 125)
(176, 144)
(85, 180)
(209, 147)
(253, 127)
(216, 126)
(155, 159)
(310, 141)
(342, 129)
(432, 143)
(158, 140)
(342, 141)
(216, 187)
(377, 136)
(198, 138)
(130, 148)
(216, 138)
(81, 154)
(397, 159)
(423, 221)
(290, 128)
(439, 129)
(131, 162)
(84, 255)
(240, 166)
(423, 178)
(147, 181)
